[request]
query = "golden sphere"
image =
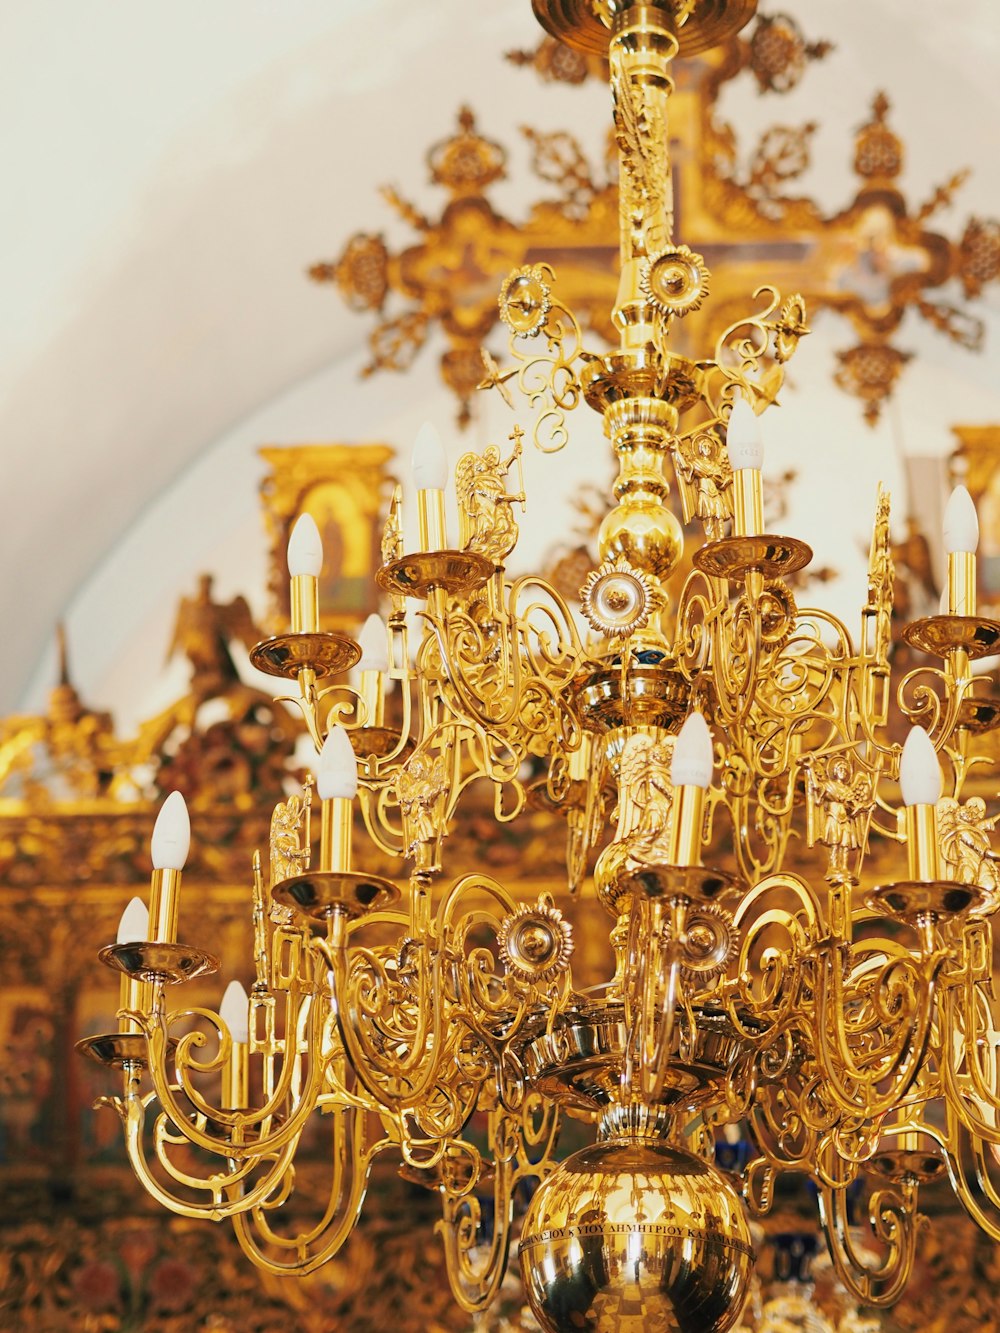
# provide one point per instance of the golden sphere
(636, 1234)
(649, 536)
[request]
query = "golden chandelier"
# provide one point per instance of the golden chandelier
(699, 722)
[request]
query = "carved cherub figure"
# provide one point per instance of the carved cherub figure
(703, 464)
(392, 535)
(964, 839)
(845, 800)
(419, 787)
(484, 503)
(646, 798)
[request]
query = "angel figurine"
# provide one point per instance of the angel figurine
(644, 819)
(963, 833)
(845, 802)
(486, 517)
(702, 463)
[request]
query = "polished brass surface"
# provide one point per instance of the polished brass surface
(941, 635)
(633, 1234)
(585, 25)
(325, 654)
(450, 1026)
(160, 961)
(421, 572)
(319, 895)
(735, 557)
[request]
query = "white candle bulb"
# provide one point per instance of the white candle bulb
(692, 761)
(305, 548)
(374, 645)
(171, 834)
(919, 771)
(744, 441)
(134, 924)
(337, 770)
(961, 523)
(430, 463)
(234, 1012)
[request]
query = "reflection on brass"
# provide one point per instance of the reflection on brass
(873, 261)
(443, 1022)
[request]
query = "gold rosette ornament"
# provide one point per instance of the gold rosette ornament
(617, 599)
(535, 942)
(526, 299)
(675, 281)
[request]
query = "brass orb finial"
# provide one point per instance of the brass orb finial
(635, 1232)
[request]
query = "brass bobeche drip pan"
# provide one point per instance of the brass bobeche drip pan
(323, 653)
(417, 575)
(698, 883)
(940, 635)
(377, 742)
(120, 1050)
(979, 715)
(321, 894)
(912, 901)
(586, 25)
(579, 1063)
(156, 960)
(653, 694)
(734, 558)
(902, 1164)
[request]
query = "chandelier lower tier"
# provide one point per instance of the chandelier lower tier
(696, 724)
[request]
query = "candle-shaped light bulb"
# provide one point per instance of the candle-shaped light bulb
(234, 1012)
(961, 537)
(134, 923)
(430, 472)
(337, 770)
(919, 771)
(693, 758)
(430, 462)
(133, 994)
(961, 523)
(168, 848)
(745, 447)
(305, 548)
(336, 786)
(690, 774)
(920, 787)
(171, 838)
(305, 560)
(744, 440)
(374, 643)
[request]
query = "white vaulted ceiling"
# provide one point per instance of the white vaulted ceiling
(170, 170)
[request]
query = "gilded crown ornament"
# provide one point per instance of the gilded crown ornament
(842, 1019)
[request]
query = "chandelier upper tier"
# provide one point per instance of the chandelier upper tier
(699, 722)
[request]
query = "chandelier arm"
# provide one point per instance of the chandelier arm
(840, 1068)
(894, 1218)
(133, 1115)
(342, 1209)
(981, 1200)
(291, 1124)
(967, 1037)
(474, 1286)
(427, 1048)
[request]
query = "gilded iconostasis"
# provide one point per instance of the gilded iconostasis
(238, 303)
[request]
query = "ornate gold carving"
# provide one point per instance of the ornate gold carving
(535, 942)
(675, 281)
(484, 504)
